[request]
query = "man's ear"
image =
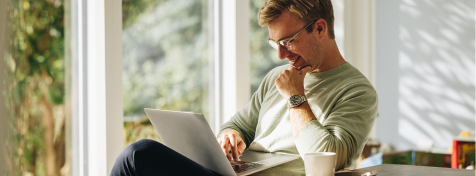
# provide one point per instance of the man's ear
(321, 27)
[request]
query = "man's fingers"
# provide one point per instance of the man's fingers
(308, 68)
(228, 150)
(293, 69)
(234, 146)
(225, 146)
(305, 70)
(241, 147)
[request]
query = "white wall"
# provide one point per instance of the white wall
(425, 71)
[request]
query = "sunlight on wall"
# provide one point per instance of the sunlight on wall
(435, 75)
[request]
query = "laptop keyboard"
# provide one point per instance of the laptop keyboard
(241, 166)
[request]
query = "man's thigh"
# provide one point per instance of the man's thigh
(149, 157)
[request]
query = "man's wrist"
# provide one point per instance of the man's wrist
(302, 106)
(296, 100)
(298, 93)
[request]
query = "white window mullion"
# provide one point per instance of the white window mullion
(113, 75)
(359, 40)
(75, 100)
(217, 74)
(339, 24)
(242, 57)
(359, 36)
(96, 84)
(104, 84)
(232, 69)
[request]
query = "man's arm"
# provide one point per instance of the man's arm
(245, 120)
(300, 116)
(343, 131)
(243, 124)
(236, 134)
(291, 82)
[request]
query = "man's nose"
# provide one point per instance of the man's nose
(283, 52)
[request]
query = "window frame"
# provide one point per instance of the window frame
(96, 122)
(232, 53)
(96, 83)
(95, 64)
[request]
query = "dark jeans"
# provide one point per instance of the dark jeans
(148, 157)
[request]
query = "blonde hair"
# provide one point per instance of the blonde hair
(306, 10)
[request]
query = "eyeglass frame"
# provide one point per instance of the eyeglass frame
(275, 44)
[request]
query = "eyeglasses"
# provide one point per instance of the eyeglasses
(287, 43)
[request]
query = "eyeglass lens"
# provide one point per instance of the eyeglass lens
(284, 43)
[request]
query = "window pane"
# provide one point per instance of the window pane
(263, 57)
(165, 57)
(35, 88)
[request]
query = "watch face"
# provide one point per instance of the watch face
(296, 100)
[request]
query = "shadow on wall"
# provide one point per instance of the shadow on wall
(436, 72)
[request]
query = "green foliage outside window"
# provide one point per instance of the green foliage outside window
(165, 61)
(34, 87)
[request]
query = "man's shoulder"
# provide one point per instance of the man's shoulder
(348, 78)
(356, 78)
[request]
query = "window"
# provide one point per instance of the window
(166, 61)
(170, 60)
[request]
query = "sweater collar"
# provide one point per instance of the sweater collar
(329, 73)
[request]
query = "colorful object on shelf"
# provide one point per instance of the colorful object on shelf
(403, 157)
(432, 159)
(463, 150)
(419, 158)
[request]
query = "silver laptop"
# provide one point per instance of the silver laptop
(190, 135)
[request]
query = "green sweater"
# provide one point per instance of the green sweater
(343, 101)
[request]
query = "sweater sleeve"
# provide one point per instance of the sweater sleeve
(246, 120)
(345, 129)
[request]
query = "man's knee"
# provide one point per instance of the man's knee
(136, 152)
(135, 149)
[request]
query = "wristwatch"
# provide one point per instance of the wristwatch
(296, 100)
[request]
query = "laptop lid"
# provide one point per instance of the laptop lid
(175, 129)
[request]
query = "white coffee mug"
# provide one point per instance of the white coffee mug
(320, 163)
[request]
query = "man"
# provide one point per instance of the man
(318, 103)
(341, 103)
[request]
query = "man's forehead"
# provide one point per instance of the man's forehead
(284, 26)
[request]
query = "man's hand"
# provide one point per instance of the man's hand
(232, 144)
(291, 82)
